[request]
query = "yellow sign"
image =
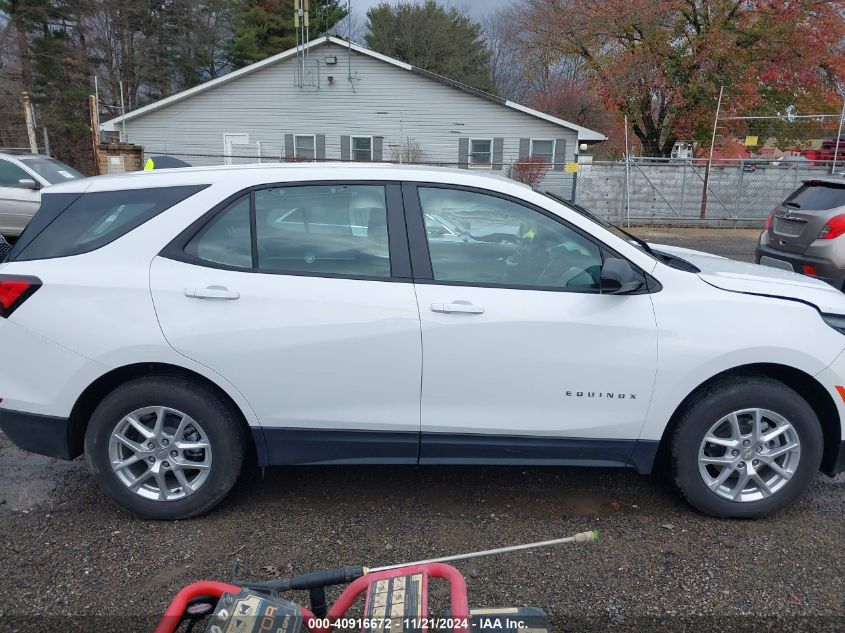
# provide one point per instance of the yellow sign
(572, 168)
(751, 141)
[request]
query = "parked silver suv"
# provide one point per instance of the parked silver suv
(802, 234)
(22, 176)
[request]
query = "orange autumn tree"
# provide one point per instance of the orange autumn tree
(662, 62)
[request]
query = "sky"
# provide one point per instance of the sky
(476, 8)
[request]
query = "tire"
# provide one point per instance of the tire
(774, 403)
(209, 451)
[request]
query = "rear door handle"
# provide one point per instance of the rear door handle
(464, 307)
(212, 292)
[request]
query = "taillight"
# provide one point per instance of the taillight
(14, 290)
(834, 228)
(769, 219)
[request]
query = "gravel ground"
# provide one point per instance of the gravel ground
(70, 560)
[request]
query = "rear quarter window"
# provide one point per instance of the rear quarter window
(817, 196)
(93, 220)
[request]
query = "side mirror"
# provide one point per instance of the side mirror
(618, 277)
(28, 183)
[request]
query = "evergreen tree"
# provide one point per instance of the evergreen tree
(431, 37)
(261, 28)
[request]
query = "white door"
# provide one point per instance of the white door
(230, 142)
(523, 358)
(309, 325)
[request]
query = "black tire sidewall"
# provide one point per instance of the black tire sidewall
(223, 429)
(726, 397)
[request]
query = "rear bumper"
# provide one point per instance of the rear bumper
(41, 434)
(828, 271)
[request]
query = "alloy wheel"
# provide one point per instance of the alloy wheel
(749, 455)
(160, 453)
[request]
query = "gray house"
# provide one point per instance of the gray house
(334, 100)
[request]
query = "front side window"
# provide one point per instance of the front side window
(304, 147)
(362, 148)
(11, 174)
(480, 151)
(543, 149)
(507, 244)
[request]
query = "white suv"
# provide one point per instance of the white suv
(173, 324)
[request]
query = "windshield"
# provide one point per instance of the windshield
(51, 170)
(617, 231)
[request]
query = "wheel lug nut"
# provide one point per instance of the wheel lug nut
(166, 464)
(759, 449)
(746, 443)
(150, 445)
(734, 452)
(756, 462)
(173, 453)
(165, 442)
(742, 464)
(151, 460)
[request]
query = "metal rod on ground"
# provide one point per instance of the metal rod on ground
(710, 159)
(838, 136)
(581, 537)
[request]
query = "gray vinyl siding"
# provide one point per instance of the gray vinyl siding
(266, 105)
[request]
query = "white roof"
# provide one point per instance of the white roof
(584, 134)
(266, 173)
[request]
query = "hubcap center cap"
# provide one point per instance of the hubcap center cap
(747, 455)
(162, 454)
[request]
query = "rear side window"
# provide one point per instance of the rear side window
(334, 230)
(817, 195)
(95, 219)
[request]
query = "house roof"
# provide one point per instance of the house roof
(585, 135)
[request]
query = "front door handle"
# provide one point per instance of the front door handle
(212, 292)
(464, 307)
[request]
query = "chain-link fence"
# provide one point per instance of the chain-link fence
(740, 193)
(660, 191)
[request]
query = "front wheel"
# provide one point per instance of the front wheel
(164, 447)
(746, 447)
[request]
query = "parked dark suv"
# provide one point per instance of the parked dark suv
(802, 234)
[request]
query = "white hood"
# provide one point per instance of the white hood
(736, 276)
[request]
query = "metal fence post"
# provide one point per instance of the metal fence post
(739, 187)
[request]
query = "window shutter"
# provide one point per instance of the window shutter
(560, 154)
(345, 148)
(377, 142)
(463, 153)
(320, 147)
(289, 146)
(524, 148)
(498, 152)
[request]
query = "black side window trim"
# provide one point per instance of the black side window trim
(421, 258)
(400, 262)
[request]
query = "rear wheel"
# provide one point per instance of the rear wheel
(746, 447)
(164, 447)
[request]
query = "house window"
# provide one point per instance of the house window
(362, 148)
(543, 149)
(480, 151)
(304, 147)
